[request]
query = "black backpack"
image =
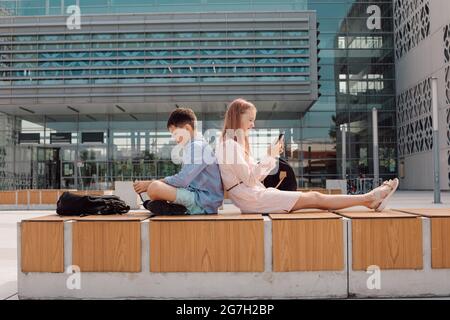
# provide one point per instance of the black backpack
(283, 179)
(70, 204)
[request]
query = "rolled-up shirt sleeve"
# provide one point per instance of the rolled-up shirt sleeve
(193, 164)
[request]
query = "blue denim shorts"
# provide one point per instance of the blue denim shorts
(187, 199)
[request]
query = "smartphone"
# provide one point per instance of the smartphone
(144, 196)
(280, 137)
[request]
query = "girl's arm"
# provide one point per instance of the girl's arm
(249, 173)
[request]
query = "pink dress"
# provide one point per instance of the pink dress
(248, 193)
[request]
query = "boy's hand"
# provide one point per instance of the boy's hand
(141, 186)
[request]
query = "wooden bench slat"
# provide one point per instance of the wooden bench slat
(305, 215)
(440, 242)
(432, 212)
(208, 217)
(51, 217)
(8, 197)
(22, 197)
(373, 214)
(49, 197)
(107, 246)
(389, 243)
(34, 197)
(305, 244)
(135, 216)
(440, 234)
(214, 245)
(42, 246)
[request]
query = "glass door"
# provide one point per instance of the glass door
(48, 168)
(68, 168)
(92, 168)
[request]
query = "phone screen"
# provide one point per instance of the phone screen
(144, 196)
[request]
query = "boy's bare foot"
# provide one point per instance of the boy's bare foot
(141, 186)
(377, 195)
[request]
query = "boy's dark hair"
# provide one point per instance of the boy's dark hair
(181, 116)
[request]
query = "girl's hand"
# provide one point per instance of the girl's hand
(275, 150)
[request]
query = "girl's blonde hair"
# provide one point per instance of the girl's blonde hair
(232, 122)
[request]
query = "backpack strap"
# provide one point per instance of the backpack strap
(283, 175)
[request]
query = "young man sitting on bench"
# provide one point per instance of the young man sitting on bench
(197, 188)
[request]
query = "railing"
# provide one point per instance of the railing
(362, 185)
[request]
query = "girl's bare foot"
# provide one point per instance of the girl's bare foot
(376, 196)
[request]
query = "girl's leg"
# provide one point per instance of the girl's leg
(317, 200)
(159, 190)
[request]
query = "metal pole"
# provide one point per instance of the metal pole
(109, 181)
(376, 165)
(344, 160)
(434, 101)
(77, 157)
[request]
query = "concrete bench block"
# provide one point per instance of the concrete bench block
(389, 240)
(207, 243)
(440, 234)
(308, 242)
(180, 285)
(312, 263)
(390, 256)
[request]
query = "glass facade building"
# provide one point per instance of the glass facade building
(82, 108)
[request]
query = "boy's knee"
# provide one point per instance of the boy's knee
(154, 188)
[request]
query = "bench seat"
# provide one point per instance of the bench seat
(305, 254)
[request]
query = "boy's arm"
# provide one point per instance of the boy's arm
(193, 164)
(184, 178)
(142, 186)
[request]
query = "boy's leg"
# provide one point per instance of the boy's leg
(186, 198)
(159, 190)
(159, 193)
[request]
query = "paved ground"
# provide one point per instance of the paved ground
(8, 249)
(9, 219)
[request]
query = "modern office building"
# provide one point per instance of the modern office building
(422, 51)
(85, 104)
